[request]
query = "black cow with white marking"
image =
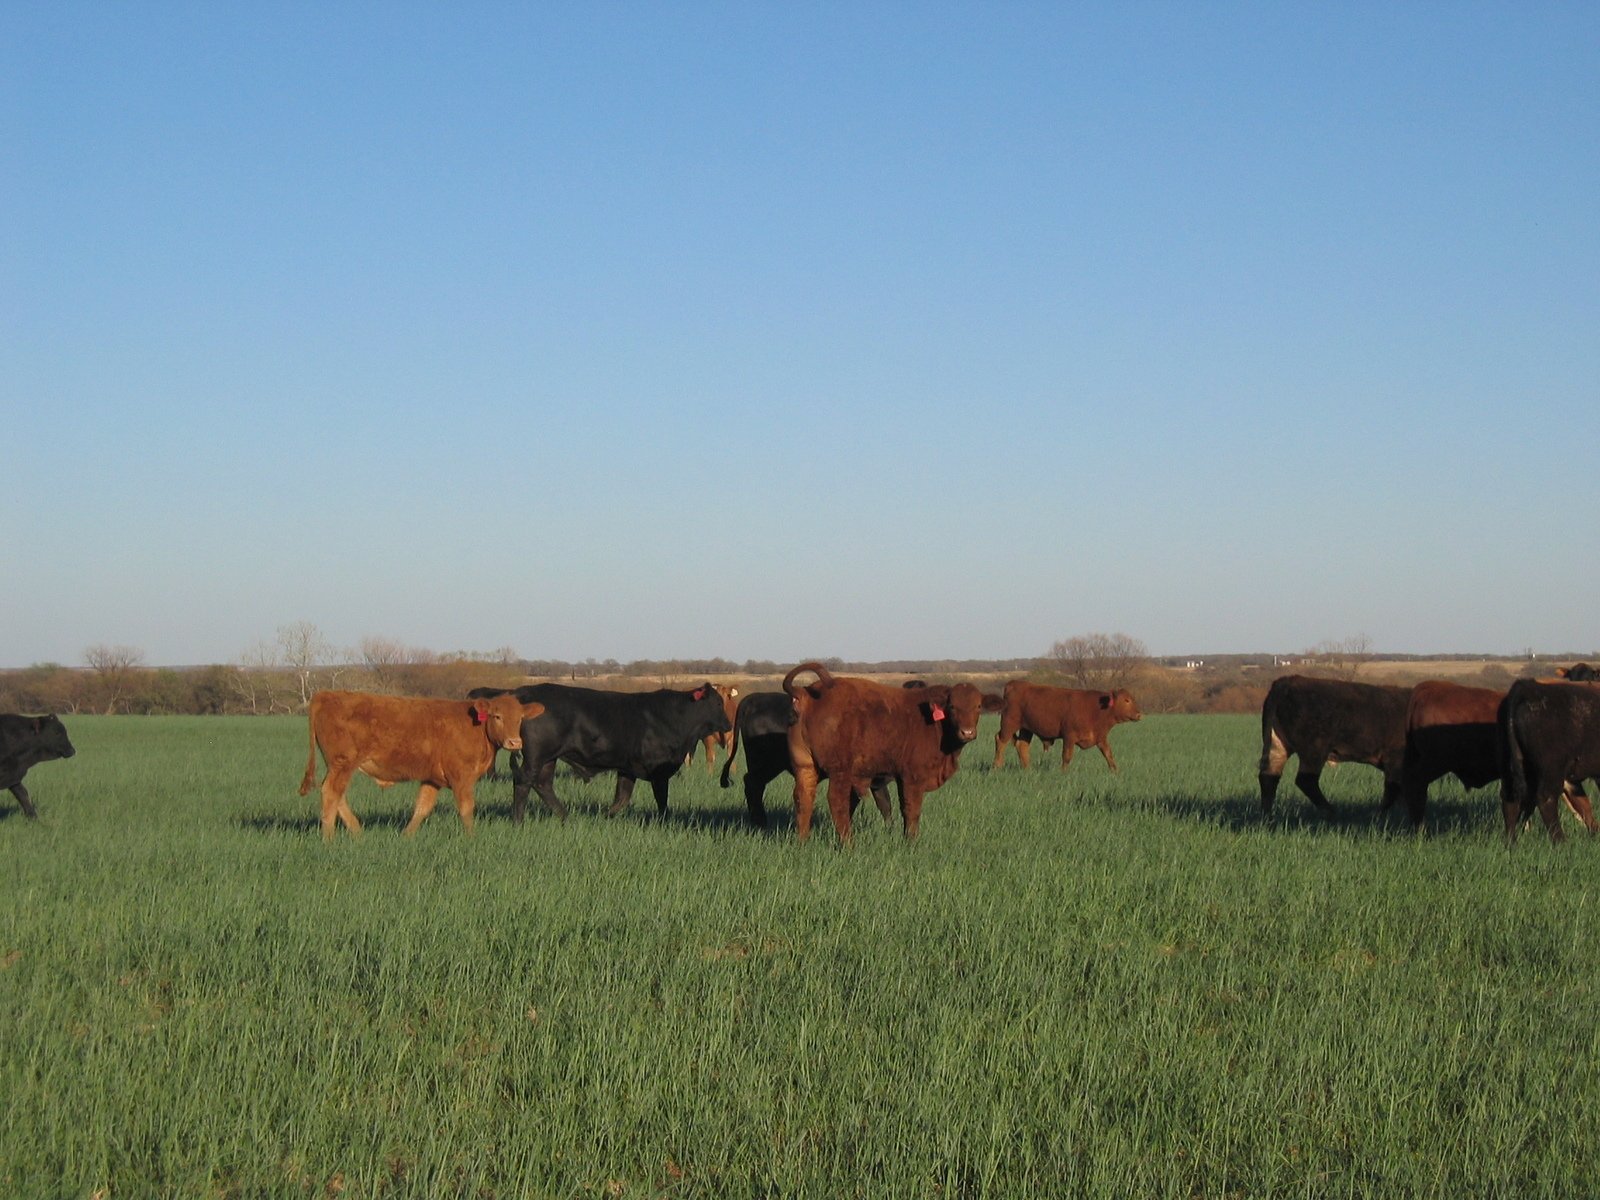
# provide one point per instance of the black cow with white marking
(639, 735)
(25, 742)
(1330, 720)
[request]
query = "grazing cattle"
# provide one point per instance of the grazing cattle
(26, 742)
(1579, 673)
(763, 720)
(1549, 737)
(1080, 718)
(851, 731)
(723, 738)
(437, 743)
(1331, 720)
(639, 735)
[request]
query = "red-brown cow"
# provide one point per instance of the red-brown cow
(1079, 717)
(1452, 729)
(854, 730)
(439, 743)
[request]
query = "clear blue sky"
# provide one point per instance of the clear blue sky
(878, 330)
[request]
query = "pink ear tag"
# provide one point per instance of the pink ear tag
(699, 693)
(938, 713)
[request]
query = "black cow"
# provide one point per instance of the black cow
(1549, 734)
(763, 720)
(24, 743)
(639, 735)
(1579, 673)
(1330, 720)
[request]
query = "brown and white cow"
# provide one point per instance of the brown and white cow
(853, 731)
(393, 739)
(1079, 717)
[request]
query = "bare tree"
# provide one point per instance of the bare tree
(383, 658)
(113, 666)
(1102, 661)
(1342, 659)
(303, 649)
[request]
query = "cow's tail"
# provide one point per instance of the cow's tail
(824, 677)
(733, 746)
(1513, 771)
(1269, 726)
(310, 779)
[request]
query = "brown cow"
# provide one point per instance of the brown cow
(439, 743)
(854, 730)
(1080, 718)
(1452, 729)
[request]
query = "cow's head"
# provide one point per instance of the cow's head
(958, 708)
(51, 738)
(711, 708)
(1121, 705)
(501, 718)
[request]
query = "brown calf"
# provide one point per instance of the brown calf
(1080, 718)
(854, 730)
(438, 743)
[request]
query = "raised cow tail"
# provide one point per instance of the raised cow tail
(824, 677)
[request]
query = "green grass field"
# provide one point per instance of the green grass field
(1072, 985)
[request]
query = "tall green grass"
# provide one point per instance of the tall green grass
(1072, 984)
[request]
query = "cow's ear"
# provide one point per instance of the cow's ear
(532, 710)
(733, 692)
(993, 703)
(480, 712)
(1105, 700)
(699, 693)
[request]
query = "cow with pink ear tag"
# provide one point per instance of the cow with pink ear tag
(852, 732)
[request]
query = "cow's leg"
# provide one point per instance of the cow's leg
(910, 809)
(1024, 752)
(1105, 752)
(754, 791)
(805, 796)
(1001, 740)
(466, 802)
(335, 807)
(1274, 754)
(840, 790)
(880, 797)
(659, 787)
(1308, 778)
(21, 793)
(540, 778)
(1578, 801)
(1394, 788)
(1550, 813)
(623, 795)
(427, 797)
(1068, 748)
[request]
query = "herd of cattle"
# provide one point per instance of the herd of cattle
(1540, 739)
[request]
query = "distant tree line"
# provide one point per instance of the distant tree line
(279, 674)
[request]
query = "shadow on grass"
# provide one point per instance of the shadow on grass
(1448, 817)
(721, 820)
